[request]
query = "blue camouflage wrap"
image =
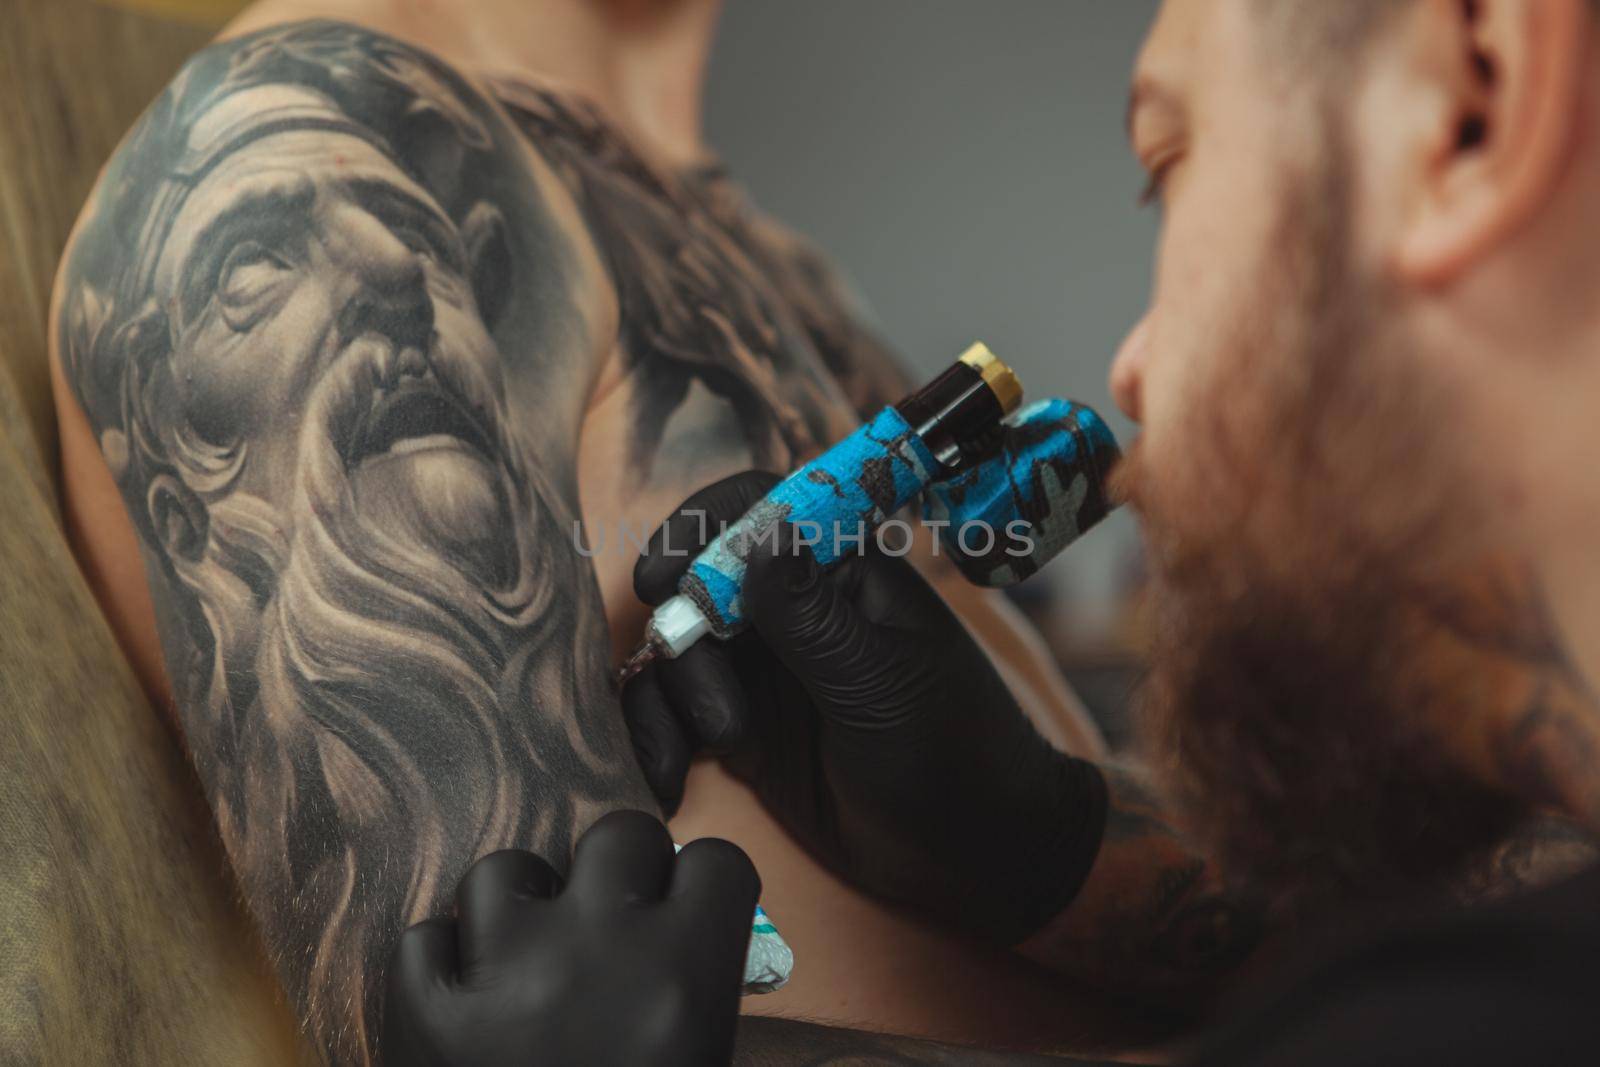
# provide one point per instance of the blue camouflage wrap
(838, 499)
(1044, 490)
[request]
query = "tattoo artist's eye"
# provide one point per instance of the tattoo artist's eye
(1156, 188)
(250, 277)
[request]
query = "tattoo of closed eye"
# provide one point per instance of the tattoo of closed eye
(249, 278)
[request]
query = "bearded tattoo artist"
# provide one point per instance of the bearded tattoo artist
(1368, 498)
(342, 332)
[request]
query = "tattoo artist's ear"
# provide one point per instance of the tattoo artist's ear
(178, 517)
(488, 259)
(1500, 118)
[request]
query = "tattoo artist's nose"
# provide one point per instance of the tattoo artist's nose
(1127, 371)
(390, 293)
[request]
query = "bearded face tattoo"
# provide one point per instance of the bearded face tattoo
(286, 318)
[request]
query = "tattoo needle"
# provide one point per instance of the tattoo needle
(944, 427)
(647, 654)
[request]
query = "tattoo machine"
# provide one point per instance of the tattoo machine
(1009, 487)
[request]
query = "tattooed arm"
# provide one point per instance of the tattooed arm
(1550, 755)
(320, 323)
(1154, 918)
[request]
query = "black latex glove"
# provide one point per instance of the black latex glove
(637, 961)
(873, 727)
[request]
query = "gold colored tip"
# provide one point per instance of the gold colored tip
(1000, 379)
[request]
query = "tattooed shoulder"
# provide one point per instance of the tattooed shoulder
(308, 315)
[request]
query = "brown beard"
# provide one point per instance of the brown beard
(1306, 548)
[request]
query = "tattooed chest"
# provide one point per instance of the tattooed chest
(729, 342)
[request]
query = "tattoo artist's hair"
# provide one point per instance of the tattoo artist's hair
(1325, 36)
(1334, 34)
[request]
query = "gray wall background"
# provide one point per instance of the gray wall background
(964, 161)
